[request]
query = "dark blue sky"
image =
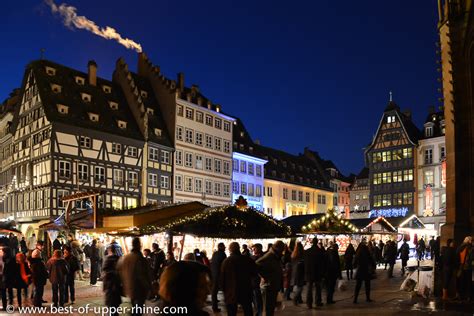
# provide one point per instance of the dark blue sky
(299, 73)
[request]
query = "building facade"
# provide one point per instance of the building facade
(359, 194)
(431, 172)
(247, 179)
(391, 160)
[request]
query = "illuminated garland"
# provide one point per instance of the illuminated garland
(221, 222)
(378, 219)
(330, 222)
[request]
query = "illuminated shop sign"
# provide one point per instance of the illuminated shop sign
(391, 212)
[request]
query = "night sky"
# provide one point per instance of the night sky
(298, 73)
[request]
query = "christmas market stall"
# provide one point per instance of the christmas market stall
(378, 228)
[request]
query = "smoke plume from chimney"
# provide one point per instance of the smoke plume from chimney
(71, 20)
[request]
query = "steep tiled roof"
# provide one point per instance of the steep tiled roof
(435, 118)
(363, 173)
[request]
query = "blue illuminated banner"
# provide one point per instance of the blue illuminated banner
(391, 212)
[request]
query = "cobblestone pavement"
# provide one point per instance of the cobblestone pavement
(388, 300)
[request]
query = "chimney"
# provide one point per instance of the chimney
(181, 81)
(209, 105)
(195, 88)
(142, 63)
(92, 71)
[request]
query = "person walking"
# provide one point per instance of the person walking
(95, 259)
(297, 276)
(464, 274)
(270, 269)
(23, 278)
(364, 263)
(158, 259)
(112, 285)
(257, 250)
(349, 260)
(314, 268)
(39, 275)
(135, 275)
(23, 247)
(73, 267)
(58, 270)
(431, 247)
(216, 263)
(13, 244)
(11, 274)
(391, 257)
(77, 252)
(333, 271)
(287, 272)
(421, 249)
(404, 253)
(449, 264)
(237, 272)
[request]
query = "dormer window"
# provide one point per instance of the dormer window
(158, 132)
(150, 111)
(50, 71)
(428, 131)
(241, 134)
(56, 88)
(107, 89)
(144, 94)
(86, 97)
(93, 117)
(391, 119)
(122, 124)
(63, 109)
(79, 80)
(113, 105)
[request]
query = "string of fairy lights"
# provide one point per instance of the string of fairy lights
(14, 185)
(331, 216)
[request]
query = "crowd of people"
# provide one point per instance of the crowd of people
(255, 279)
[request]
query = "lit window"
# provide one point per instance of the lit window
(153, 180)
(93, 117)
(133, 179)
(107, 89)
(118, 177)
(117, 202)
(80, 81)
(56, 88)
(50, 71)
(86, 97)
(150, 111)
(122, 124)
(391, 119)
(113, 105)
(63, 109)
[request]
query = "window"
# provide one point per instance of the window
(386, 177)
(217, 189)
(208, 141)
(226, 126)
(132, 202)
(188, 160)
(226, 168)
(117, 202)
(408, 198)
(153, 154)
(86, 97)
(50, 71)
(178, 183)
(118, 177)
(197, 185)
(386, 156)
(113, 105)
(132, 151)
(386, 199)
(218, 123)
(208, 187)
(323, 199)
(209, 120)
(93, 117)
(64, 169)
(133, 179)
(164, 182)
(199, 162)
(179, 133)
(397, 176)
(258, 190)
(407, 153)
(199, 117)
(250, 188)
(189, 113)
(308, 197)
(293, 195)
(80, 80)
(391, 119)
(188, 184)
(258, 170)
(251, 168)
(217, 165)
(285, 193)
(179, 157)
(442, 152)
(235, 187)
(180, 110)
(377, 178)
(235, 165)
(429, 177)
(116, 148)
(397, 154)
(226, 146)
(408, 175)
(63, 109)
(198, 139)
(429, 131)
(85, 142)
(269, 191)
(165, 157)
(300, 196)
(376, 157)
(397, 199)
(243, 188)
(226, 189)
(243, 166)
(217, 142)
(189, 135)
(208, 164)
(153, 180)
(428, 156)
(377, 200)
(99, 174)
(107, 89)
(83, 172)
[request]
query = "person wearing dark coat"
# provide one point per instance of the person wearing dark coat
(297, 276)
(349, 260)
(58, 270)
(237, 272)
(73, 266)
(158, 259)
(23, 277)
(333, 271)
(23, 247)
(56, 244)
(95, 258)
(11, 273)
(112, 286)
(365, 265)
(257, 250)
(391, 256)
(449, 264)
(404, 253)
(39, 275)
(314, 268)
(216, 262)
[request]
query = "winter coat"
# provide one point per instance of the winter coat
(269, 267)
(333, 265)
(112, 284)
(76, 250)
(314, 264)
(73, 266)
(216, 262)
(11, 273)
(237, 272)
(2, 265)
(158, 258)
(22, 284)
(449, 259)
(23, 246)
(404, 251)
(135, 274)
(58, 270)
(349, 257)
(94, 254)
(14, 243)
(297, 272)
(56, 244)
(465, 264)
(391, 255)
(39, 274)
(364, 263)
